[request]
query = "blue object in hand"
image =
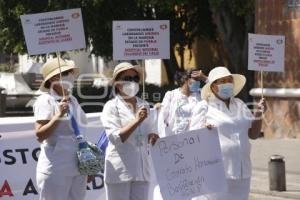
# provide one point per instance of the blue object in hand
(102, 142)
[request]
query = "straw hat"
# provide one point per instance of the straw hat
(51, 68)
(123, 66)
(220, 72)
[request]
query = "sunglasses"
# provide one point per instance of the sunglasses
(66, 73)
(135, 78)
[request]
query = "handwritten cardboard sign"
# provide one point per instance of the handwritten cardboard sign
(53, 31)
(266, 52)
(134, 40)
(189, 165)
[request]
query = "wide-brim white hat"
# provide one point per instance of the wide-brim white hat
(51, 68)
(220, 72)
(123, 66)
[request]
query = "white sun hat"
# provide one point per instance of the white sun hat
(220, 72)
(124, 66)
(51, 68)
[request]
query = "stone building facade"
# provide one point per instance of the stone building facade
(281, 17)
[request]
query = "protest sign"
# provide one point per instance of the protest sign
(19, 151)
(137, 40)
(53, 31)
(188, 165)
(266, 52)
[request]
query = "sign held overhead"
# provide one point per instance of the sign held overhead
(53, 31)
(137, 40)
(266, 52)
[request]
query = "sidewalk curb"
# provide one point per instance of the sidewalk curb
(276, 194)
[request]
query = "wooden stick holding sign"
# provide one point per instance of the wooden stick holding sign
(262, 83)
(143, 79)
(60, 74)
(266, 53)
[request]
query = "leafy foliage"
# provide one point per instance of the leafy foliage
(188, 19)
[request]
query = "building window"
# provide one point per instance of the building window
(293, 3)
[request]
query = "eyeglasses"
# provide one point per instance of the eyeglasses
(135, 78)
(66, 73)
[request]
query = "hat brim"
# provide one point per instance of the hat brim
(136, 68)
(239, 82)
(57, 71)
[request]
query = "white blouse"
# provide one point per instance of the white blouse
(176, 112)
(58, 151)
(129, 160)
(233, 125)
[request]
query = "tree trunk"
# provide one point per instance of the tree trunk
(233, 31)
(171, 66)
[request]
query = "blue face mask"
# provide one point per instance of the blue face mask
(194, 86)
(225, 91)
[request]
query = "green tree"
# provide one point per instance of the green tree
(188, 19)
(225, 20)
(234, 19)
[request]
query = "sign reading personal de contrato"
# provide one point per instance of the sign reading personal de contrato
(266, 52)
(137, 40)
(53, 31)
(189, 165)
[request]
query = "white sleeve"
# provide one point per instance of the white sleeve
(111, 122)
(151, 122)
(43, 109)
(162, 121)
(247, 114)
(198, 119)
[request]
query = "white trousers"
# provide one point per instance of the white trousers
(60, 187)
(237, 190)
(134, 190)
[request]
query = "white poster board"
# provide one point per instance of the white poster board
(53, 31)
(134, 40)
(266, 52)
(188, 165)
(19, 151)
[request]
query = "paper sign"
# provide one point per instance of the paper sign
(19, 151)
(189, 165)
(134, 40)
(53, 31)
(266, 52)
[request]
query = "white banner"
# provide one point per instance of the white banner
(19, 152)
(266, 52)
(188, 165)
(134, 40)
(53, 31)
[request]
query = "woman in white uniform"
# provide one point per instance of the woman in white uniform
(57, 173)
(178, 105)
(177, 108)
(235, 124)
(129, 129)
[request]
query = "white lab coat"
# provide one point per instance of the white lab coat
(126, 161)
(58, 152)
(233, 125)
(176, 112)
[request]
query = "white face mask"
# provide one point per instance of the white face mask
(130, 88)
(68, 81)
(225, 91)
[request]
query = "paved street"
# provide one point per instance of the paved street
(262, 149)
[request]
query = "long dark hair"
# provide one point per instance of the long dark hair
(182, 76)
